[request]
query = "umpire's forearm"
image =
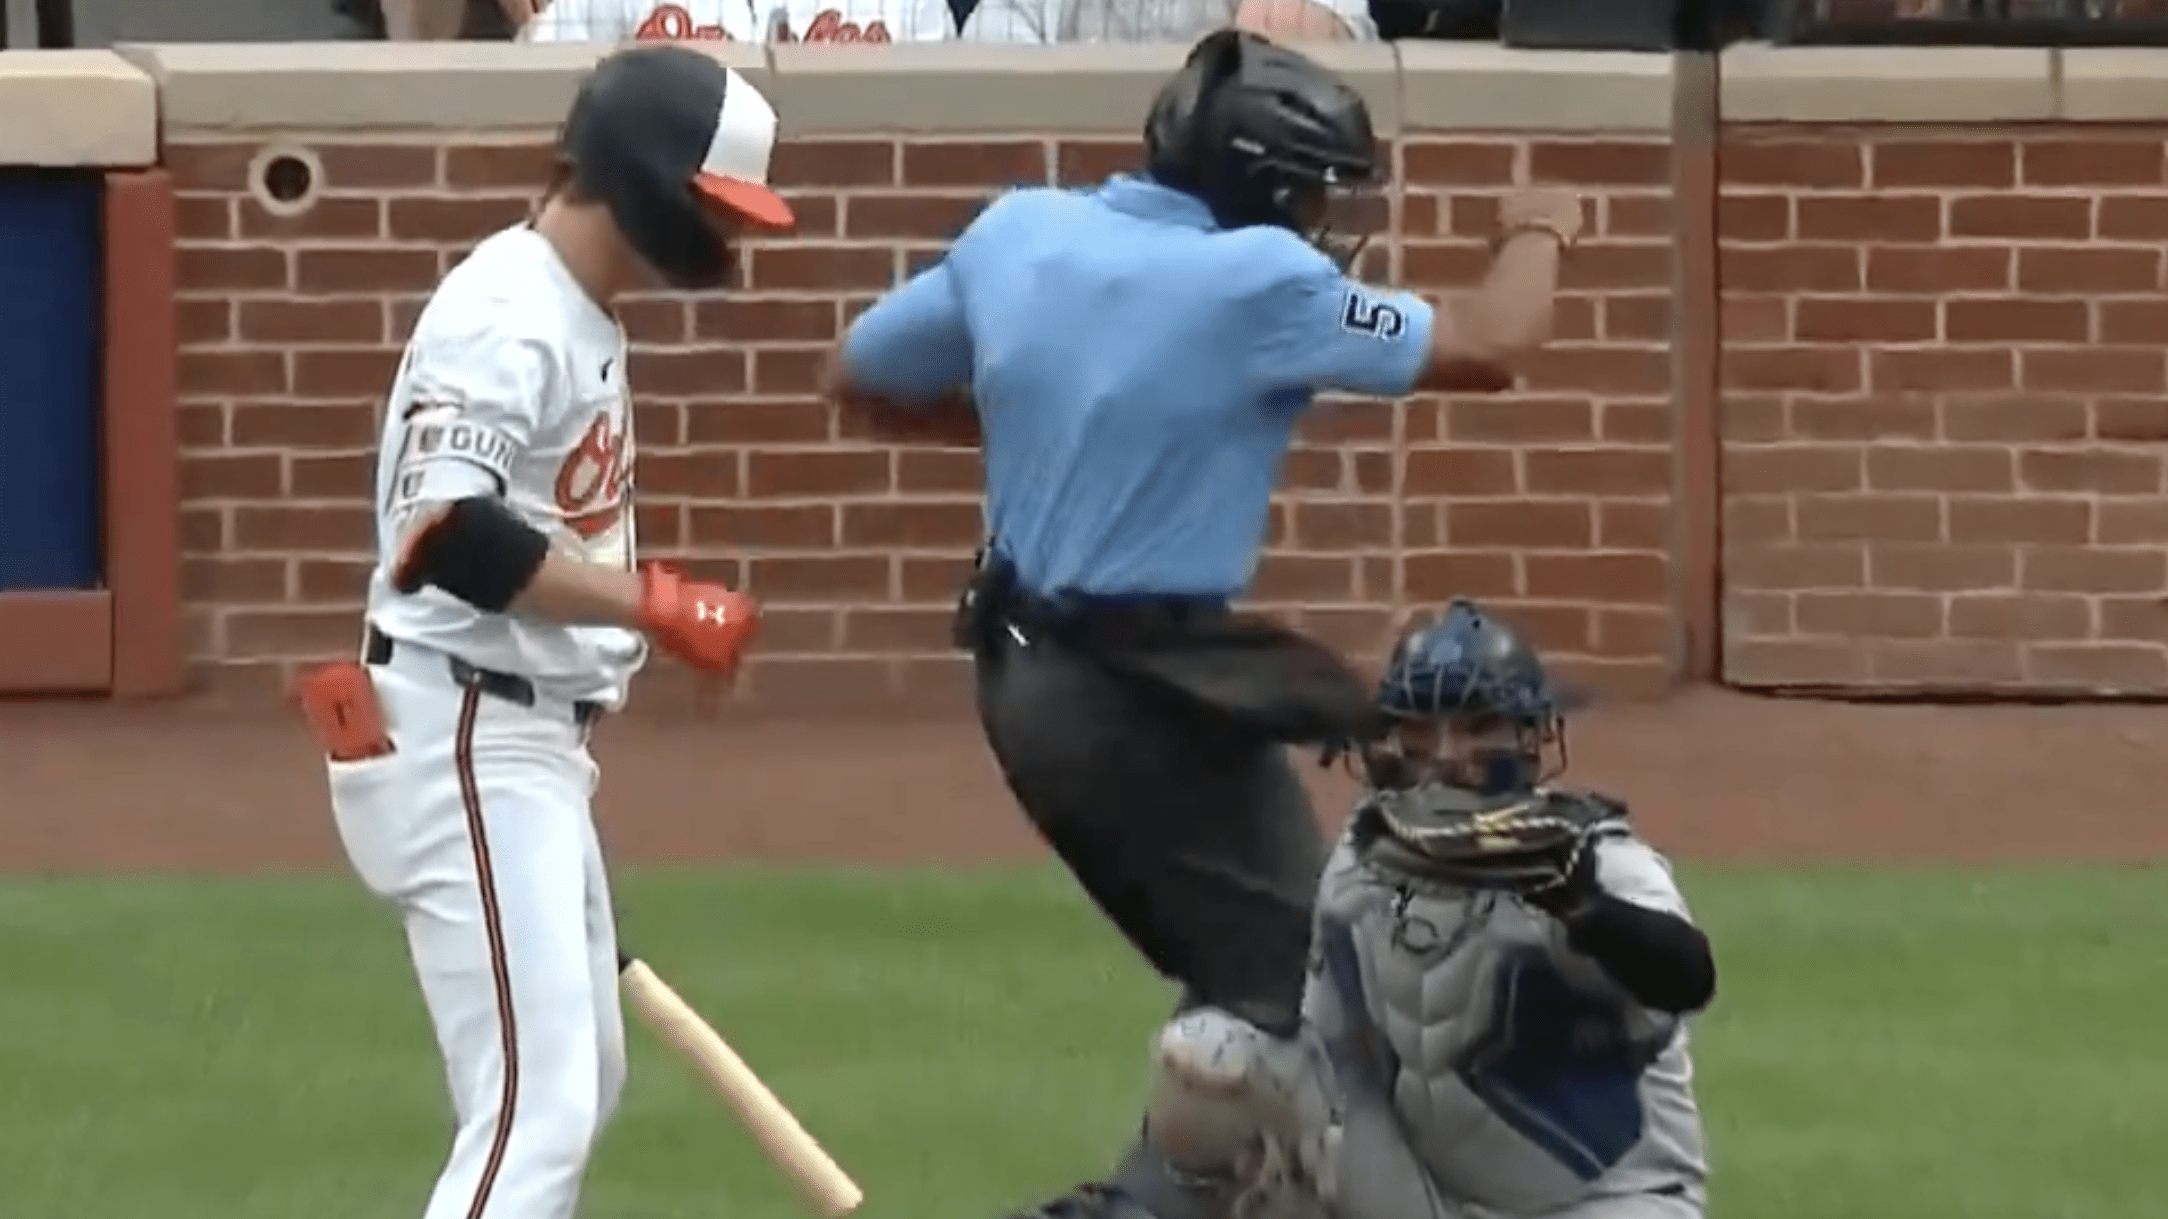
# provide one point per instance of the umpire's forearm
(1662, 960)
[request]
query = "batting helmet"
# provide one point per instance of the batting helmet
(676, 146)
(1260, 133)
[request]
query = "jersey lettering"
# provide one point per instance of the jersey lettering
(1362, 314)
(435, 432)
(590, 487)
(829, 26)
(1558, 1066)
(673, 23)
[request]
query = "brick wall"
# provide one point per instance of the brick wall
(1944, 366)
(1552, 502)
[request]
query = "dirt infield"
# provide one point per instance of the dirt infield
(1711, 775)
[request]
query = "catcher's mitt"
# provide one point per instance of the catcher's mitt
(1526, 843)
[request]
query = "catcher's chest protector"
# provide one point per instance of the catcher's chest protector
(1518, 1068)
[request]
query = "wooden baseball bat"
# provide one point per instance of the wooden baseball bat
(778, 1132)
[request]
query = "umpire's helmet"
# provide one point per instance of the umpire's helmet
(1260, 133)
(676, 146)
(1471, 677)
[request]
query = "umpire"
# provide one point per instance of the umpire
(1136, 358)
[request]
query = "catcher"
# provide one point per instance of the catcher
(1499, 987)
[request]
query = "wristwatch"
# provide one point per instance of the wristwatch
(1565, 239)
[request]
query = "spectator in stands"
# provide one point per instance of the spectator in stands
(1170, 21)
(741, 21)
(432, 20)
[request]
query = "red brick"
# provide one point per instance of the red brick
(2141, 420)
(2102, 667)
(1941, 568)
(815, 473)
(1944, 371)
(2093, 569)
(1869, 615)
(2069, 160)
(1881, 218)
(853, 163)
(2134, 217)
(1520, 525)
(975, 163)
(1974, 468)
(820, 268)
(1943, 163)
(1791, 468)
(2021, 217)
(1826, 419)
(1944, 664)
(356, 167)
(1851, 319)
(2055, 271)
(2020, 616)
(1913, 270)
(1461, 472)
(2095, 471)
(1791, 268)
(1427, 162)
(1808, 565)
(2093, 370)
(2019, 521)
(1438, 576)
(1599, 163)
(840, 578)
(2015, 320)
(1823, 164)
(1870, 518)
(1754, 217)
(1598, 472)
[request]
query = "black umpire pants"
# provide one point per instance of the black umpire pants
(1191, 832)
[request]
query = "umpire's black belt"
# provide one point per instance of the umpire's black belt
(1245, 670)
(377, 648)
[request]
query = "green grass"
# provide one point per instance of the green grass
(1887, 1046)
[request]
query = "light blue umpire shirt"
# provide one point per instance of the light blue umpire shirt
(1138, 373)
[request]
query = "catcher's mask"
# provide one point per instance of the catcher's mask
(1265, 136)
(676, 146)
(1470, 707)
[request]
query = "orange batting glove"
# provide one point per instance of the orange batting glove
(705, 625)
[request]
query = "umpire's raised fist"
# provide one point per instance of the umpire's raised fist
(1542, 209)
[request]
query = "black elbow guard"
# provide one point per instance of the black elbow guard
(474, 549)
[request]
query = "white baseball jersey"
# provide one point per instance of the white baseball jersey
(742, 21)
(1182, 21)
(513, 385)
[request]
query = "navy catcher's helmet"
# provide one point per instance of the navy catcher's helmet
(676, 146)
(1471, 706)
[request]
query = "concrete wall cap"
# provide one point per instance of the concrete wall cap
(354, 86)
(67, 109)
(1478, 87)
(2115, 85)
(1766, 84)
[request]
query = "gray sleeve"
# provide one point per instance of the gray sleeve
(1632, 870)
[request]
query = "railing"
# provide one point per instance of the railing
(1989, 23)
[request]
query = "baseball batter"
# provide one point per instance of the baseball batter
(506, 614)
(1501, 981)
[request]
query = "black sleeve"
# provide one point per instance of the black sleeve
(1662, 960)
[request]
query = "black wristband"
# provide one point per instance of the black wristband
(1662, 960)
